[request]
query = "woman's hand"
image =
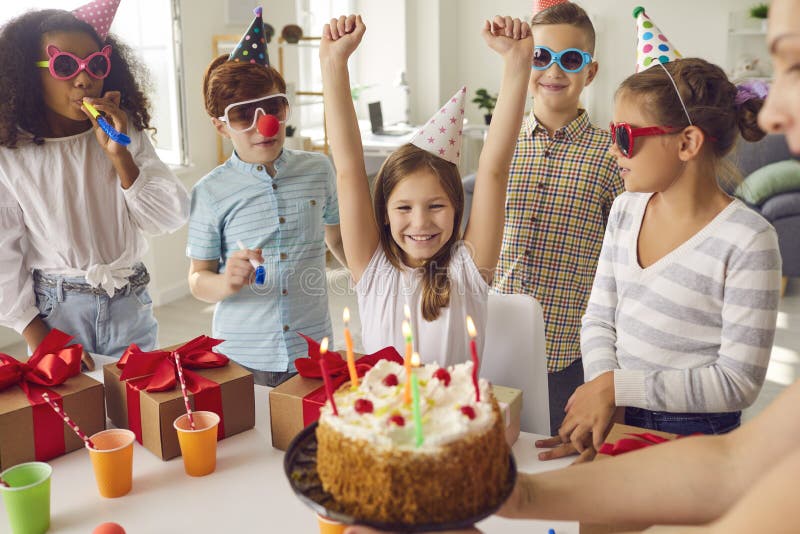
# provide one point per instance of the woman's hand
(589, 413)
(341, 37)
(109, 106)
(511, 38)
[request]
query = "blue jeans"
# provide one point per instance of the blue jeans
(683, 423)
(102, 324)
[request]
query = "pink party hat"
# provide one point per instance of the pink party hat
(541, 5)
(441, 135)
(652, 47)
(98, 13)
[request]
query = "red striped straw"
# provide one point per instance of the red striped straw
(67, 420)
(183, 389)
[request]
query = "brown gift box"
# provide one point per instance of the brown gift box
(160, 409)
(618, 432)
(286, 409)
(83, 401)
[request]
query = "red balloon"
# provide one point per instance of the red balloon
(268, 125)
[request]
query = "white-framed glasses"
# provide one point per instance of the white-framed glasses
(243, 116)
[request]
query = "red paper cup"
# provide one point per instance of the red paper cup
(198, 446)
(112, 460)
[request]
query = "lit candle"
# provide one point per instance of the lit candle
(409, 341)
(348, 340)
(475, 364)
(323, 349)
(415, 407)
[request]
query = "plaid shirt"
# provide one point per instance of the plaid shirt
(560, 192)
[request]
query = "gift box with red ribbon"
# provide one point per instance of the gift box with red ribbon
(29, 429)
(620, 440)
(295, 404)
(143, 393)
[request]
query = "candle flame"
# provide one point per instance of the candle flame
(415, 360)
(346, 315)
(406, 329)
(323, 347)
(471, 327)
(407, 311)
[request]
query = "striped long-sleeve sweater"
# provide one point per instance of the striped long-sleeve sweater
(692, 332)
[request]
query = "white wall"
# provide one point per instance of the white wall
(381, 57)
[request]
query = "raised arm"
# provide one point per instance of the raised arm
(359, 230)
(512, 39)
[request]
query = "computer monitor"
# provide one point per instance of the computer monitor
(376, 117)
(376, 122)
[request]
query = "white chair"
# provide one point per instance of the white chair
(515, 356)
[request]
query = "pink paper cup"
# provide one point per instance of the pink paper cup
(112, 460)
(198, 446)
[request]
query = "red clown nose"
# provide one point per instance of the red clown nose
(268, 125)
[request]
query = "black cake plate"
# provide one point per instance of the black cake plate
(300, 466)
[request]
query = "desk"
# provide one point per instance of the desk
(247, 493)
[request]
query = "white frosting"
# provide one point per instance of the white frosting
(440, 408)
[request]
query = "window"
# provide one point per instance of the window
(152, 30)
(312, 15)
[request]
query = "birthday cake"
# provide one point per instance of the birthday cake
(380, 467)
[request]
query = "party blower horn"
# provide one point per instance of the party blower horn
(111, 132)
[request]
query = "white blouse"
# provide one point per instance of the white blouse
(383, 290)
(63, 211)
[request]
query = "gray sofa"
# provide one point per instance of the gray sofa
(782, 210)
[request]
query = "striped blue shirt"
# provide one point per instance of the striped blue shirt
(693, 331)
(284, 215)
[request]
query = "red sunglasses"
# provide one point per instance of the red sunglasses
(65, 66)
(623, 135)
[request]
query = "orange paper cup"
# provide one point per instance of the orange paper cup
(198, 446)
(112, 460)
(329, 526)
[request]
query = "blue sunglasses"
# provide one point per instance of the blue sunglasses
(570, 60)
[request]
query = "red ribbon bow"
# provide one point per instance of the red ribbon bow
(51, 364)
(337, 370)
(156, 371)
(336, 365)
(645, 439)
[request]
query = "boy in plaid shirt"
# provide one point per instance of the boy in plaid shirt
(562, 183)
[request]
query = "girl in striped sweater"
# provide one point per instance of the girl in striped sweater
(681, 318)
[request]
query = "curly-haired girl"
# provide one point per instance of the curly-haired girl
(74, 203)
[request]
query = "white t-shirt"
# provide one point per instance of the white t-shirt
(63, 211)
(384, 289)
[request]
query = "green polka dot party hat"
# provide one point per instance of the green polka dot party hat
(252, 48)
(652, 46)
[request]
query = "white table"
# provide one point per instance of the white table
(247, 493)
